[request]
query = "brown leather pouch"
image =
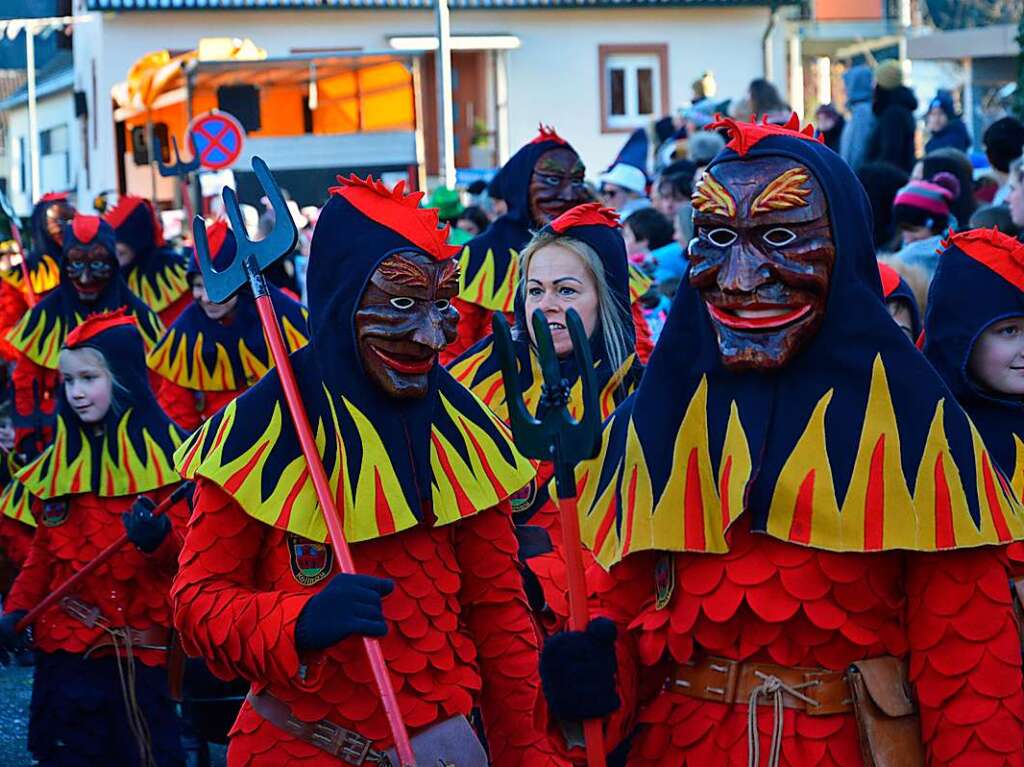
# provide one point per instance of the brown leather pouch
(890, 733)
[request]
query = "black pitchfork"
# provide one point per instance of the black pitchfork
(554, 435)
(180, 169)
(251, 259)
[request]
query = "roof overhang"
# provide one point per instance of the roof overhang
(420, 43)
(995, 41)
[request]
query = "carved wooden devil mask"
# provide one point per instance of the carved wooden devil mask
(761, 258)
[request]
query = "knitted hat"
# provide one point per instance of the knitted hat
(889, 75)
(926, 202)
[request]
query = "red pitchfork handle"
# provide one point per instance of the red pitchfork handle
(579, 615)
(89, 567)
(323, 493)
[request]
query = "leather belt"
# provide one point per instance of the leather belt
(348, 745)
(816, 691)
(152, 638)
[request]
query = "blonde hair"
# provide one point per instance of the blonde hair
(616, 322)
(97, 358)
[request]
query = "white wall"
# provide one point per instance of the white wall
(553, 77)
(51, 111)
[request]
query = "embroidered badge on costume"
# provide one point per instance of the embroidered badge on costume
(523, 498)
(311, 561)
(55, 513)
(664, 580)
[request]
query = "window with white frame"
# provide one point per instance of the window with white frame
(634, 87)
(55, 157)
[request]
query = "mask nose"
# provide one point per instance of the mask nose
(744, 271)
(430, 332)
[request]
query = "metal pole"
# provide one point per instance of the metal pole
(446, 127)
(33, 126)
(149, 151)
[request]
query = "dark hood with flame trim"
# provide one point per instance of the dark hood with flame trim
(392, 463)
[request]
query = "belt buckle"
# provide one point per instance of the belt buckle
(351, 747)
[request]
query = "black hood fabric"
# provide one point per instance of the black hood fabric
(979, 281)
(855, 445)
(133, 452)
(42, 330)
(490, 261)
(392, 463)
(900, 96)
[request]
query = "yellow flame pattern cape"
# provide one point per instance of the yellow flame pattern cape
(250, 449)
(205, 355)
(392, 463)
(855, 445)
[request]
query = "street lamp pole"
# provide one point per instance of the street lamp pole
(445, 124)
(33, 124)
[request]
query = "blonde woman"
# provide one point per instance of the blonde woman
(578, 261)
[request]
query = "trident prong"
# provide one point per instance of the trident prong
(253, 256)
(180, 168)
(552, 434)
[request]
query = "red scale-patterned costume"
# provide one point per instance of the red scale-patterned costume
(774, 602)
(131, 589)
(415, 512)
(840, 510)
(457, 615)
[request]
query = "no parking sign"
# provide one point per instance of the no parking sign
(217, 139)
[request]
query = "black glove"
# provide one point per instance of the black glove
(12, 641)
(577, 672)
(146, 531)
(349, 604)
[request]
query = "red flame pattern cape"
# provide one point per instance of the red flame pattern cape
(480, 371)
(157, 274)
(402, 472)
(202, 355)
(78, 488)
(839, 509)
(41, 332)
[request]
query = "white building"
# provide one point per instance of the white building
(594, 70)
(60, 160)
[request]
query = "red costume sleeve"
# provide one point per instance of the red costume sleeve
(219, 608)
(644, 344)
(497, 616)
(15, 540)
(474, 324)
(12, 307)
(30, 381)
(965, 658)
(179, 403)
(33, 581)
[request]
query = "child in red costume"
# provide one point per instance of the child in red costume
(51, 213)
(794, 513)
(214, 352)
(422, 472)
(100, 694)
(90, 282)
(154, 271)
(577, 261)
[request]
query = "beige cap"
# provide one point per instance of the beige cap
(889, 74)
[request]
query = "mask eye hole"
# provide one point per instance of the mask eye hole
(779, 236)
(722, 237)
(402, 302)
(442, 304)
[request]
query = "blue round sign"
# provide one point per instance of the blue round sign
(217, 139)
